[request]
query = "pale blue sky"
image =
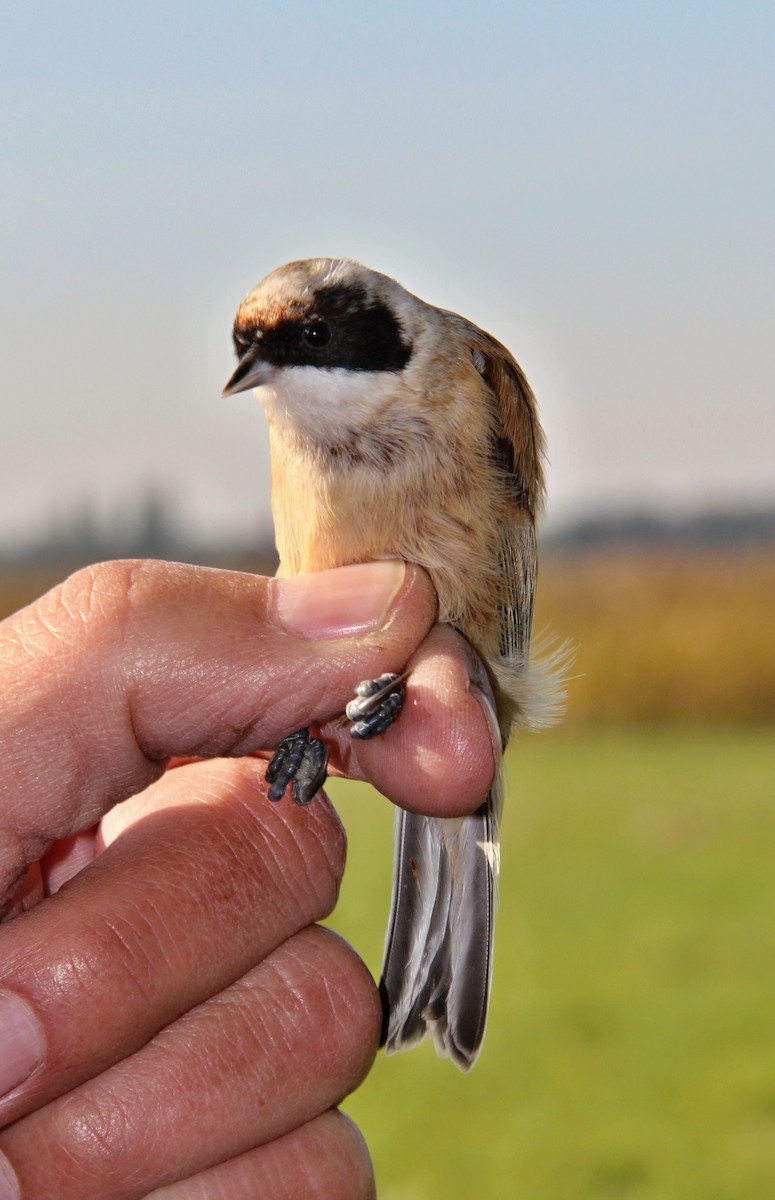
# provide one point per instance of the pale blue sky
(594, 183)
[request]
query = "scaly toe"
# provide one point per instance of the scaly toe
(300, 760)
(376, 705)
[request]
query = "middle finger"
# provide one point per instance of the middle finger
(207, 879)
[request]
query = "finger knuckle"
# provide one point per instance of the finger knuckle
(94, 1132)
(340, 999)
(353, 1174)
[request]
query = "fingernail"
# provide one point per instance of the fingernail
(9, 1184)
(339, 603)
(21, 1042)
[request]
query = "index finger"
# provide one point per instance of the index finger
(127, 664)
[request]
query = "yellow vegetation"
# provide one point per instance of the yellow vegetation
(665, 637)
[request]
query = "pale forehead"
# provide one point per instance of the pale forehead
(297, 283)
(291, 290)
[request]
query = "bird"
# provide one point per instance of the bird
(402, 430)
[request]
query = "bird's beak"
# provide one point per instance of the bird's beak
(252, 371)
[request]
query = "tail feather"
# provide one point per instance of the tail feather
(438, 952)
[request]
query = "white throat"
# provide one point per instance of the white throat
(324, 405)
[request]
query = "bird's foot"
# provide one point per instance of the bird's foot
(376, 705)
(300, 760)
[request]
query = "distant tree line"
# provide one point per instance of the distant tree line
(712, 530)
(153, 530)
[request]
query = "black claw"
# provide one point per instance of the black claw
(376, 705)
(300, 760)
(312, 772)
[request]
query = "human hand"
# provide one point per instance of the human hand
(170, 1025)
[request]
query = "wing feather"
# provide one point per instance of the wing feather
(518, 450)
(520, 438)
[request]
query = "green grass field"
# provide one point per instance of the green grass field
(631, 1046)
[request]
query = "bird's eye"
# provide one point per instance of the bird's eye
(316, 334)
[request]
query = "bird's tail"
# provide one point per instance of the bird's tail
(438, 951)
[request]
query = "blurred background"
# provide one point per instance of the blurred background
(595, 185)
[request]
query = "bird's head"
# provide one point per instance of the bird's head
(328, 342)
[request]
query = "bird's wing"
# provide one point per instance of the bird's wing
(534, 685)
(438, 955)
(520, 446)
(518, 450)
